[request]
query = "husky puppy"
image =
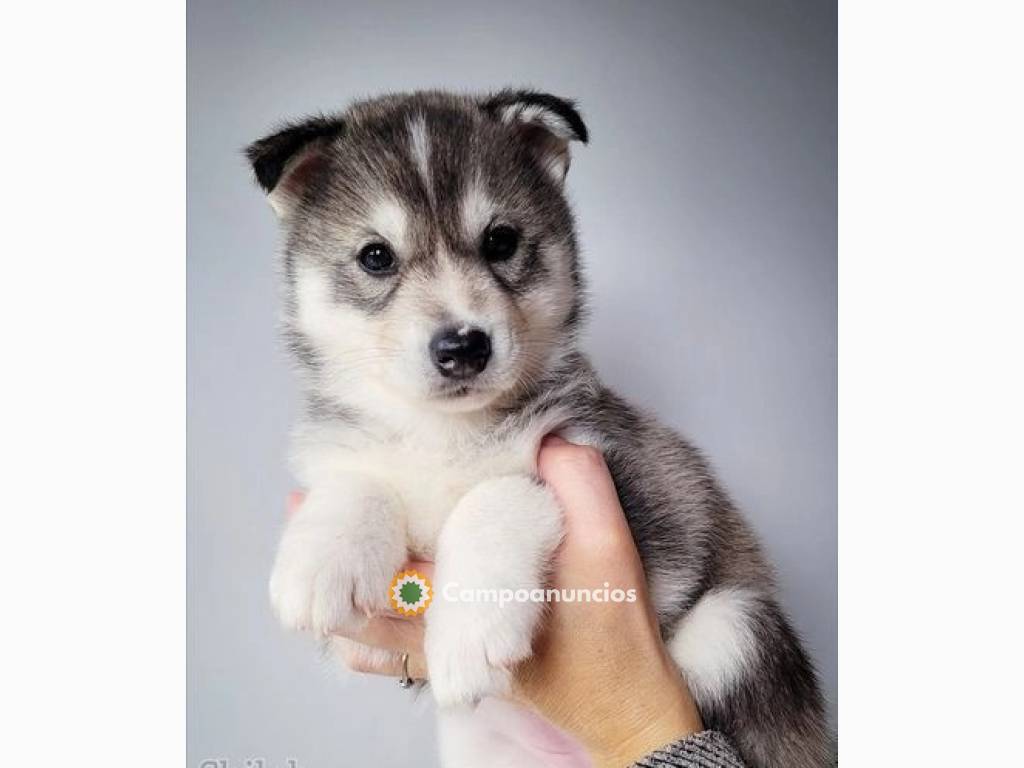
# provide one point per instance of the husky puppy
(432, 297)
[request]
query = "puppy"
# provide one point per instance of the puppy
(432, 301)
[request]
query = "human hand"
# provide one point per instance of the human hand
(600, 671)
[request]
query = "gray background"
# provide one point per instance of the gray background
(707, 211)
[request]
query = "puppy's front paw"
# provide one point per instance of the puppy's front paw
(335, 561)
(471, 653)
(497, 542)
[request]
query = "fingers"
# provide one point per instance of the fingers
(580, 479)
(377, 646)
(390, 634)
(374, 661)
(393, 667)
(584, 487)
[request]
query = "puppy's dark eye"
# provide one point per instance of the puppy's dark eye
(500, 243)
(377, 259)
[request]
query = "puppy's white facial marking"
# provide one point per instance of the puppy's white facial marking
(453, 291)
(330, 325)
(477, 209)
(714, 642)
(388, 219)
(419, 146)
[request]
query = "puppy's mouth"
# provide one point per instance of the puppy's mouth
(454, 392)
(463, 395)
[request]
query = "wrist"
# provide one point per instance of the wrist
(637, 746)
(633, 735)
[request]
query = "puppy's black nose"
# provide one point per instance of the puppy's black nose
(460, 353)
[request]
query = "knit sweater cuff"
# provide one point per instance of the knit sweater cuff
(707, 749)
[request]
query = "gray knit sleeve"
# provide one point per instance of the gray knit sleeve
(707, 749)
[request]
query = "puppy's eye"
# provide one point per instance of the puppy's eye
(500, 243)
(377, 259)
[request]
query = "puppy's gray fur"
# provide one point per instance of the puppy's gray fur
(428, 173)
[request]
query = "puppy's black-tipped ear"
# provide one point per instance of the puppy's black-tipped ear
(548, 123)
(286, 161)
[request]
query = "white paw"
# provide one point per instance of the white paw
(337, 556)
(472, 653)
(498, 541)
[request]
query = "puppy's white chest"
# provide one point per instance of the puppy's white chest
(431, 483)
(428, 470)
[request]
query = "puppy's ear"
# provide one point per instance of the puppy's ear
(285, 162)
(547, 123)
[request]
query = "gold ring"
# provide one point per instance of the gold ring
(405, 681)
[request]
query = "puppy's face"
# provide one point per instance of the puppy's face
(430, 250)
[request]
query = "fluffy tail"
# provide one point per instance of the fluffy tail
(752, 680)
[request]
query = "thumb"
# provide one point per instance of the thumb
(580, 480)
